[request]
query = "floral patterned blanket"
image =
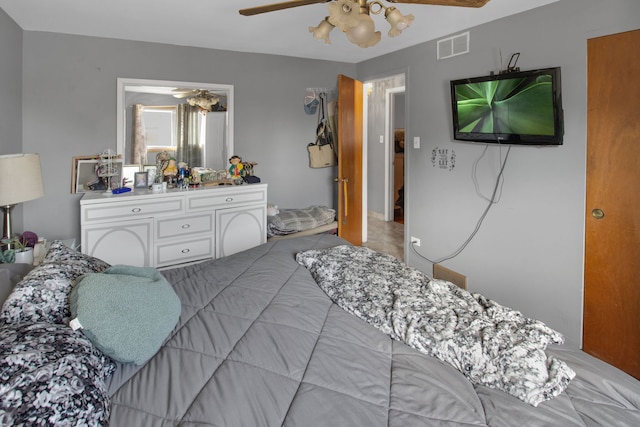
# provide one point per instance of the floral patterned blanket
(51, 375)
(489, 344)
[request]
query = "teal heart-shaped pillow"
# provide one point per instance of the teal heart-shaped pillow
(127, 312)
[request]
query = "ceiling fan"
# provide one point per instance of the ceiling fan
(295, 3)
(204, 99)
(353, 16)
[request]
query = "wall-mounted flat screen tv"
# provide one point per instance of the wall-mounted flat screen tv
(523, 107)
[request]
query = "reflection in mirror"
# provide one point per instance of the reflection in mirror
(191, 121)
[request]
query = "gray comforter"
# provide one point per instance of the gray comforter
(260, 344)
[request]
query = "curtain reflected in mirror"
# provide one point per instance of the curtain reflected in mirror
(139, 136)
(191, 134)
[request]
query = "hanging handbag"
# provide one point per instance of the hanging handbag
(321, 156)
(321, 153)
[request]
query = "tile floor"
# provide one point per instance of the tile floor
(385, 236)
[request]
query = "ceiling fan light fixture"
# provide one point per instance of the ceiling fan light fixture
(344, 14)
(364, 34)
(203, 99)
(353, 16)
(397, 20)
(321, 32)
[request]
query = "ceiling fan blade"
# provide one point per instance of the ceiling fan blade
(278, 6)
(182, 93)
(461, 3)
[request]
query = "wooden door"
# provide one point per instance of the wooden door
(612, 243)
(350, 159)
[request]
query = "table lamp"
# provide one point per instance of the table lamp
(20, 181)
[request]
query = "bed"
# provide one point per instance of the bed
(258, 342)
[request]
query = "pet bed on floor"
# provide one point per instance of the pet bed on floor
(289, 221)
(331, 228)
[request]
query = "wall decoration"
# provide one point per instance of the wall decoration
(443, 158)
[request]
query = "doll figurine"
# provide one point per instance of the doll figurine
(236, 170)
(171, 169)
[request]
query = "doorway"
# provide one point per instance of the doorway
(384, 124)
(394, 188)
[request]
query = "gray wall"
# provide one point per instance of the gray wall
(528, 253)
(10, 85)
(69, 109)
(11, 96)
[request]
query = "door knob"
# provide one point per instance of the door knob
(597, 213)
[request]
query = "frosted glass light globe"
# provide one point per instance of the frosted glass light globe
(398, 21)
(321, 32)
(364, 34)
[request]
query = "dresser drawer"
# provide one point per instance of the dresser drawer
(226, 199)
(135, 209)
(184, 226)
(184, 251)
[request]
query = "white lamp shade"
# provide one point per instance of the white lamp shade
(20, 178)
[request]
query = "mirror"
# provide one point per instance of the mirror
(192, 121)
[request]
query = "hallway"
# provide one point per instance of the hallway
(385, 236)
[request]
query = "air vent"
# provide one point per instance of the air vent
(453, 46)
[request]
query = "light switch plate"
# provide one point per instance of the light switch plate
(416, 142)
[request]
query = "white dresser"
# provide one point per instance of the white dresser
(157, 230)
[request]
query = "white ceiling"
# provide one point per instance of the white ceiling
(217, 24)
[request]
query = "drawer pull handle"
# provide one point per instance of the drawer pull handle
(229, 199)
(185, 226)
(136, 210)
(186, 251)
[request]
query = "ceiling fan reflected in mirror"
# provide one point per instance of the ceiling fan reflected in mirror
(204, 99)
(353, 17)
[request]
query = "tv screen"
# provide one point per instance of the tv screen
(523, 107)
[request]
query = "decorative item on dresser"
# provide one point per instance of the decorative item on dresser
(148, 229)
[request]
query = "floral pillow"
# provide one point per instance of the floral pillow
(51, 375)
(42, 296)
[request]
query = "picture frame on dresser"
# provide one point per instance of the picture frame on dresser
(84, 172)
(152, 171)
(141, 180)
(74, 169)
(129, 175)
